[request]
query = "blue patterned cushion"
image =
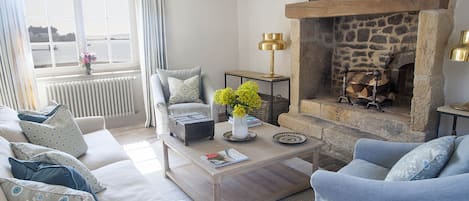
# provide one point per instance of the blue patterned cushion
(423, 162)
(49, 174)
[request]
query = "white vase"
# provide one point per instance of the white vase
(240, 127)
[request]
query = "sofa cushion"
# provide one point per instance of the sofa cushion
(179, 74)
(100, 154)
(62, 158)
(365, 169)
(5, 153)
(49, 174)
(10, 127)
(59, 132)
(423, 162)
(26, 151)
(125, 185)
(184, 108)
(184, 91)
(21, 190)
(459, 161)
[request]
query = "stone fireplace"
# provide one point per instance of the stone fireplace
(406, 45)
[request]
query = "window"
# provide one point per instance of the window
(60, 30)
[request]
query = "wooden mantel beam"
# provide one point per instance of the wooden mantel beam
(335, 8)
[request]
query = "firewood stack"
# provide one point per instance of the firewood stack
(360, 87)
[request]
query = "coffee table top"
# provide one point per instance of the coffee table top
(262, 151)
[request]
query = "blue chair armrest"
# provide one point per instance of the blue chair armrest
(333, 186)
(382, 153)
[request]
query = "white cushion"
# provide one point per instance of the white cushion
(179, 74)
(125, 182)
(184, 91)
(59, 132)
(183, 108)
(10, 125)
(103, 149)
(5, 153)
(22, 190)
(26, 151)
(62, 158)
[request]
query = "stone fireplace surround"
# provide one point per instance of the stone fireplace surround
(321, 47)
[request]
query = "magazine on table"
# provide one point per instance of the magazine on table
(251, 120)
(224, 157)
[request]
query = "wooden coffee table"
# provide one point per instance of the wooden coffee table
(265, 176)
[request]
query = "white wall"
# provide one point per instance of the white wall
(457, 73)
(203, 32)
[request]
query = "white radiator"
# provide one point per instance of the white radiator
(109, 97)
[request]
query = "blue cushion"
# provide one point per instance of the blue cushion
(459, 161)
(39, 117)
(423, 162)
(49, 174)
(364, 169)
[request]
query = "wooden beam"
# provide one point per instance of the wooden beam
(335, 8)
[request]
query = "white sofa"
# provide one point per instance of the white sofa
(105, 158)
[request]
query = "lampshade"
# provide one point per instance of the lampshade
(272, 41)
(461, 51)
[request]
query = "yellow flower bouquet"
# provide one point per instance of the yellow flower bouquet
(242, 100)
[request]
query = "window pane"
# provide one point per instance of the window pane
(94, 9)
(118, 8)
(95, 29)
(35, 7)
(121, 51)
(60, 8)
(66, 54)
(38, 30)
(100, 48)
(63, 30)
(41, 55)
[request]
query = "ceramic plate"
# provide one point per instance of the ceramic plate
(228, 136)
(290, 138)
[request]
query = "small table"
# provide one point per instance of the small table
(259, 77)
(264, 176)
(448, 110)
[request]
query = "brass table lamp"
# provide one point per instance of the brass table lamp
(461, 53)
(272, 42)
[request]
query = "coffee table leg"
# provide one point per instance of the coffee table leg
(165, 159)
(315, 160)
(216, 189)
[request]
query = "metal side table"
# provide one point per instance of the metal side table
(259, 77)
(447, 110)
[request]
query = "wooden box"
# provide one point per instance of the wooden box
(191, 126)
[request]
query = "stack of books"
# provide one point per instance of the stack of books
(251, 120)
(224, 158)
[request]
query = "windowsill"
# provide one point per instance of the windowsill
(83, 76)
(73, 72)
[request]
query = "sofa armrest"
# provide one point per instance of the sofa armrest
(91, 124)
(382, 153)
(157, 91)
(209, 93)
(332, 186)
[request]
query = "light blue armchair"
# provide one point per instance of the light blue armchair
(362, 179)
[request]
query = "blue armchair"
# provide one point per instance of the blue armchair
(362, 179)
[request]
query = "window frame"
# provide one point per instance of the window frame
(81, 43)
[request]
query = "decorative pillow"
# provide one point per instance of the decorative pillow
(59, 132)
(459, 161)
(49, 174)
(423, 162)
(26, 151)
(40, 116)
(21, 190)
(61, 158)
(179, 74)
(184, 91)
(10, 127)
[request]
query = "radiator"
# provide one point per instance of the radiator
(108, 97)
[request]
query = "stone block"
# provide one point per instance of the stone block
(309, 126)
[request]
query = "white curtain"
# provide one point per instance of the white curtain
(17, 84)
(152, 43)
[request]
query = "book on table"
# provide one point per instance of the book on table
(224, 157)
(252, 121)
